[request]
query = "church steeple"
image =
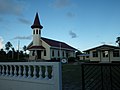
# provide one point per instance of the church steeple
(36, 23)
(36, 31)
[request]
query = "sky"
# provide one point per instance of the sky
(82, 24)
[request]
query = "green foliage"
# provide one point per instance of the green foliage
(71, 59)
(11, 55)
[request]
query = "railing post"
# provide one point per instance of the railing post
(0, 70)
(34, 72)
(46, 72)
(24, 71)
(19, 72)
(15, 71)
(57, 67)
(52, 75)
(40, 72)
(10, 71)
(6, 70)
(3, 70)
(29, 72)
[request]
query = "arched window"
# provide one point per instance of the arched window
(53, 53)
(37, 31)
(58, 53)
(44, 52)
(33, 31)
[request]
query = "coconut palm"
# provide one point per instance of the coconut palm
(118, 41)
(25, 48)
(8, 45)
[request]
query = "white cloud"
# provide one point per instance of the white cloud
(1, 42)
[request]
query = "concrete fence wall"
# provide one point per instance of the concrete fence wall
(30, 76)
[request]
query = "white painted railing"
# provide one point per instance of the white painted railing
(46, 74)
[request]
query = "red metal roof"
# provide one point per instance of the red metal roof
(36, 48)
(52, 43)
(57, 44)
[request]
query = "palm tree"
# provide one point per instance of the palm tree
(118, 41)
(25, 48)
(8, 45)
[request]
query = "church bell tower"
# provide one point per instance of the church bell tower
(36, 31)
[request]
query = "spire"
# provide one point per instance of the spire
(36, 23)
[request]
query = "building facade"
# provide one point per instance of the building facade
(103, 53)
(47, 49)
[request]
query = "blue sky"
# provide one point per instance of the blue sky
(80, 23)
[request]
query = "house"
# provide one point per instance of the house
(103, 53)
(47, 49)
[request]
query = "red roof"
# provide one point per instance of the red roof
(36, 23)
(57, 44)
(36, 47)
(53, 44)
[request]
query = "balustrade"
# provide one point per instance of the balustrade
(27, 70)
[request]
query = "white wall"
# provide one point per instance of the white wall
(10, 81)
(104, 59)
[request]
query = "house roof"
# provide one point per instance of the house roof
(103, 47)
(84, 54)
(36, 48)
(58, 44)
(36, 23)
(55, 44)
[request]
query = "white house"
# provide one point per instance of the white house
(103, 53)
(47, 49)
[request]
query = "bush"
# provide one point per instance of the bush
(71, 59)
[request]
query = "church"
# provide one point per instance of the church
(47, 49)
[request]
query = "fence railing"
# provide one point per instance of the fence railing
(101, 76)
(48, 74)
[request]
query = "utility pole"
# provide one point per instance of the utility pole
(18, 48)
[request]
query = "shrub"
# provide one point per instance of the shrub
(71, 59)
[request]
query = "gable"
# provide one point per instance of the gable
(103, 47)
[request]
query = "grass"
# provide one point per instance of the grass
(71, 77)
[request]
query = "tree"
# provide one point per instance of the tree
(13, 51)
(8, 45)
(25, 48)
(2, 54)
(118, 41)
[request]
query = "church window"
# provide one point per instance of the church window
(37, 31)
(58, 53)
(33, 31)
(67, 54)
(53, 53)
(33, 53)
(44, 52)
(63, 53)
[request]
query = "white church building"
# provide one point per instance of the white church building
(47, 49)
